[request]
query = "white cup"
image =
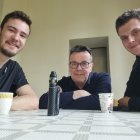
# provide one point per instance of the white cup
(6, 99)
(106, 102)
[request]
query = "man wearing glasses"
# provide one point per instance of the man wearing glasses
(80, 89)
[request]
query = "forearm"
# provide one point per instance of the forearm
(26, 102)
(79, 99)
(85, 103)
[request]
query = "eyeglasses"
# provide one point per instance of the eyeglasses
(83, 65)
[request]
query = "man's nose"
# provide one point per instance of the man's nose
(131, 39)
(16, 36)
(79, 67)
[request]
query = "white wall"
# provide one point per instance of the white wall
(55, 22)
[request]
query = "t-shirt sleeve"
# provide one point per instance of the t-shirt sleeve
(19, 80)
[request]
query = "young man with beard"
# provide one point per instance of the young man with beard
(128, 29)
(14, 31)
(80, 90)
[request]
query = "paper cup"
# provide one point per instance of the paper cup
(106, 102)
(6, 99)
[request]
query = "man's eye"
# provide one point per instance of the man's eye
(23, 36)
(11, 30)
(84, 63)
(74, 64)
(123, 38)
(136, 32)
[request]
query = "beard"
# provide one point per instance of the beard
(7, 53)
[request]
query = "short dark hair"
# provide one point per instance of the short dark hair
(126, 16)
(80, 48)
(16, 15)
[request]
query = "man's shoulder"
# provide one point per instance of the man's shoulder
(101, 76)
(11, 64)
(136, 65)
(97, 78)
(65, 78)
(98, 74)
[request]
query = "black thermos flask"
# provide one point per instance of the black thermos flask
(53, 95)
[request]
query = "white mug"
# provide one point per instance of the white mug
(6, 99)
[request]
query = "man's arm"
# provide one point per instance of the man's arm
(131, 97)
(65, 100)
(26, 99)
(90, 102)
(134, 103)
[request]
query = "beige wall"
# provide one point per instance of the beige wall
(55, 22)
(1, 6)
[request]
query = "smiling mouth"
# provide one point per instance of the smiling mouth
(134, 46)
(79, 74)
(12, 44)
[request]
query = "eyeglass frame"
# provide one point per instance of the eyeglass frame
(77, 64)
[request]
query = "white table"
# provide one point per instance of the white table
(70, 125)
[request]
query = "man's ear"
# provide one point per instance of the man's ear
(91, 66)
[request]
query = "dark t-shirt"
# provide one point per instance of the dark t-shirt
(133, 86)
(11, 77)
(96, 83)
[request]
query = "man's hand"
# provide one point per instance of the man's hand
(80, 93)
(124, 101)
(59, 89)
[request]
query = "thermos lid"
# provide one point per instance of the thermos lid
(53, 74)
